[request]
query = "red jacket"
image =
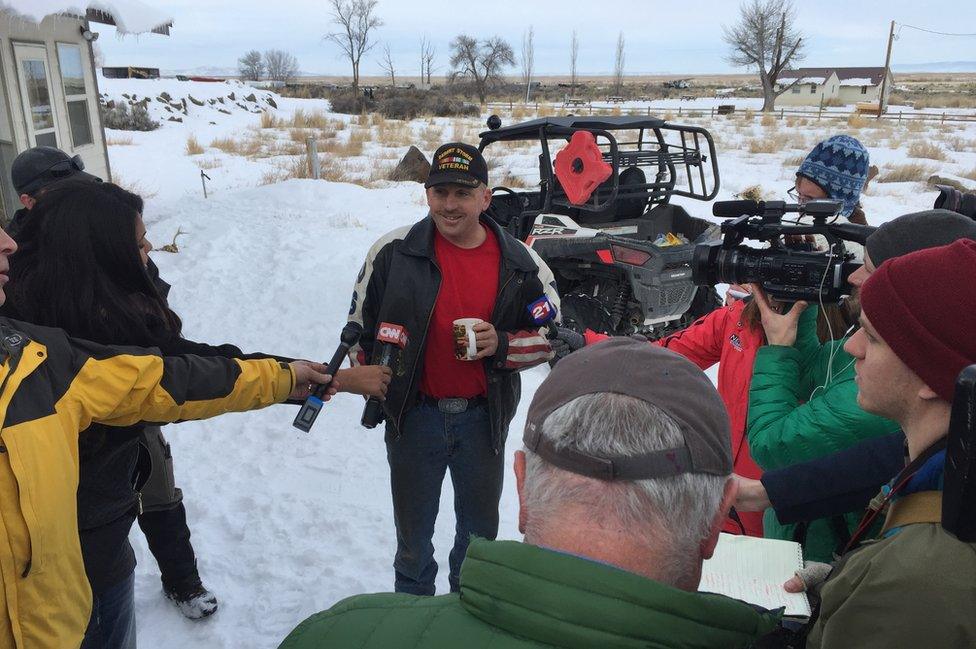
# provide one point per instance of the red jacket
(722, 337)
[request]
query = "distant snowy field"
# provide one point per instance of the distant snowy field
(285, 523)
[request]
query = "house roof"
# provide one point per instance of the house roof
(129, 16)
(872, 74)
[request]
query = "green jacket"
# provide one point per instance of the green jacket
(518, 596)
(796, 414)
(914, 589)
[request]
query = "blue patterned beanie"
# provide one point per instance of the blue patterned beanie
(839, 165)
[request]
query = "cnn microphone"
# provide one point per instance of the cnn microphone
(313, 404)
(392, 338)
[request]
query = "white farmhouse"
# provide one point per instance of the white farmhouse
(811, 86)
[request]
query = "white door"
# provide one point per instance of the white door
(35, 90)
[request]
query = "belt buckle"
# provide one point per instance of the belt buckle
(452, 406)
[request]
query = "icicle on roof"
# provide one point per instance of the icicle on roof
(129, 16)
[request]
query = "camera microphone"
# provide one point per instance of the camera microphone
(733, 209)
(392, 339)
(313, 404)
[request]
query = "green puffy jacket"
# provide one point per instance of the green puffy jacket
(519, 596)
(797, 414)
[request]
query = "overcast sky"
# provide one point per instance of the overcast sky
(661, 37)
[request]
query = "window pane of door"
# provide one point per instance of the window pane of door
(80, 124)
(72, 74)
(35, 76)
(46, 139)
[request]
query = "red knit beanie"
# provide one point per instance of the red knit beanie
(923, 305)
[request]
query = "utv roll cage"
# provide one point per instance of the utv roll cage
(646, 166)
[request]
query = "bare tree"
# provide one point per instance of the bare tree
(618, 67)
(573, 54)
(528, 59)
(427, 51)
(280, 65)
(386, 64)
(766, 38)
(356, 20)
(482, 62)
(251, 65)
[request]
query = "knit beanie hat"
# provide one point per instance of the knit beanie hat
(915, 304)
(917, 231)
(839, 165)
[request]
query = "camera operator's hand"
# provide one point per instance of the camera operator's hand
(367, 380)
(566, 342)
(751, 496)
(780, 328)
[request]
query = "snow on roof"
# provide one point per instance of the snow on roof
(802, 80)
(129, 16)
(857, 81)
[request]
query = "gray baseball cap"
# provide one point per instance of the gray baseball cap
(918, 231)
(638, 369)
(40, 166)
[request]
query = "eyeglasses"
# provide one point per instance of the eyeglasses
(802, 199)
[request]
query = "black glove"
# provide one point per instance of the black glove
(566, 342)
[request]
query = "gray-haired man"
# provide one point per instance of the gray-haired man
(623, 485)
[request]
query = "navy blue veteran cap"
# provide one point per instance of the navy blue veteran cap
(457, 163)
(637, 369)
(40, 166)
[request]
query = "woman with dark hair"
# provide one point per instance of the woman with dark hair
(82, 267)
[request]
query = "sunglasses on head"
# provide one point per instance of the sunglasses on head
(61, 169)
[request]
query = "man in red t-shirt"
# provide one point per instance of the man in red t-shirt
(443, 413)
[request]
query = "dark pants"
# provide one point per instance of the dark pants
(113, 619)
(163, 519)
(168, 537)
(432, 442)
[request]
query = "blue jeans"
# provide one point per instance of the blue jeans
(430, 443)
(113, 618)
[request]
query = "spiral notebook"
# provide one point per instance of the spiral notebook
(753, 570)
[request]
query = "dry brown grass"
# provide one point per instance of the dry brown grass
(768, 119)
(193, 147)
(314, 119)
(971, 174)
(793, 161)
(857, 121)
(769, 143)
(135, 187)
(749, 115)
(909, 172)
(515, 182)
(270, 120)
(119, 140)
(431, 137)
(209, 163)
(923, 149)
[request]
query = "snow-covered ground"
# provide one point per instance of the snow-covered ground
(285, 523)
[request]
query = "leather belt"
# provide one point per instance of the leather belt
(452, 405)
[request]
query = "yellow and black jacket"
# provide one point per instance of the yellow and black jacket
(52, 387)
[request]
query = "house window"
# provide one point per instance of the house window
(75, 93)
(813, 88)
(796, 90)
(864, 90)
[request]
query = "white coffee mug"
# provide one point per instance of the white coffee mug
(464, 329)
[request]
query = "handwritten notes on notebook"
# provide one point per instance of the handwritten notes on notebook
(754, 570)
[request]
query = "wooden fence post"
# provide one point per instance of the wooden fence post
(313, 157)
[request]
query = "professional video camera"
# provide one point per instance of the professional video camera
(787, 271)
(950, 198)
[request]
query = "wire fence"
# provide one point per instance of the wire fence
(844, 113)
